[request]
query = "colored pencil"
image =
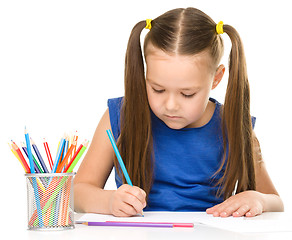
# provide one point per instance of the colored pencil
(184, 225)
(29, 154)
(48, 152)
(116, 150)
(37, 167)
(16, 155)
(39, 156)
(74, 156)
(37, 198)
(56, 163)
(64, 161)
(65, 148)
(122, 165)
(129, 224)
(21, 158)
(79, 155)
(75, 138)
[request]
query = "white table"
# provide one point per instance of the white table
(199, 231)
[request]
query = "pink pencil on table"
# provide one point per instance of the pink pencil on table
(184, 225)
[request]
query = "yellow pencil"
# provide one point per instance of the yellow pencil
(16, 155)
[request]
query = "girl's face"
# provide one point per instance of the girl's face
(178, 88)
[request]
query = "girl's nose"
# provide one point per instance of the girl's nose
(171, 104)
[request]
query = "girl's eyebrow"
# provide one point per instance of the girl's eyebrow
(154, 83)
(190, 88)
(182, 89)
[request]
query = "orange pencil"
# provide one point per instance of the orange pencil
(22, 159)
(62, 164)
(73, 158)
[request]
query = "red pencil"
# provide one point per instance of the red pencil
(48, 153)
(75, 154)
(17, 150)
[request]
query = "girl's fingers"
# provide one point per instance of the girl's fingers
(125, 210)
(248, 203)
(210, 210)
(253, 212)
(134, 197)
(134, 203)
(228, 210)
(241, 211)
(224, 209)
(136, 192)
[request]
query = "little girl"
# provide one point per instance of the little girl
(183, 150)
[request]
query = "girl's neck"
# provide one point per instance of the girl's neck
(208, 114)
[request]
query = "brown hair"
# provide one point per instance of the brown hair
(187, 32)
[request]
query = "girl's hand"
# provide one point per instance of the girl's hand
(248, 203)
(127, 201)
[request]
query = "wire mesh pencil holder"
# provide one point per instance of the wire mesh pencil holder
(50, 202)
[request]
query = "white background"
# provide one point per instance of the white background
(61, 60)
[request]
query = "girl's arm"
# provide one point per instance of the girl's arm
(252, 203)
(89, 195)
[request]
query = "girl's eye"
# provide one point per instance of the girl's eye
(189, 95)
(158, 91)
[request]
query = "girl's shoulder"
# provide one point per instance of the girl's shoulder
(219, 107)
(115, 102)
(114, 106)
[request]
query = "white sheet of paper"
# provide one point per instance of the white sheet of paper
(266, 222)
(174, 217)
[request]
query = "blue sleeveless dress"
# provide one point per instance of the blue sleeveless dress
(185, 161)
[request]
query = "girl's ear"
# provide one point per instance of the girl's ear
(218, 76)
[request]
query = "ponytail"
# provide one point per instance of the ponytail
(135, 141)
(236, 123)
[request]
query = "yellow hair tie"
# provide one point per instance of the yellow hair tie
(219, 28)
(148, 24)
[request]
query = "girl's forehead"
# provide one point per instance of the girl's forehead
(154, 54)
(159, 60)
(185, 71)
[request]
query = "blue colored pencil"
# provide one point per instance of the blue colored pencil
(34, 183)
(111, 138)
(37, 169)
(39, 156)
(29, 151)
(56, 163)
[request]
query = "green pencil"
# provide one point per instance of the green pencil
(79, 155)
